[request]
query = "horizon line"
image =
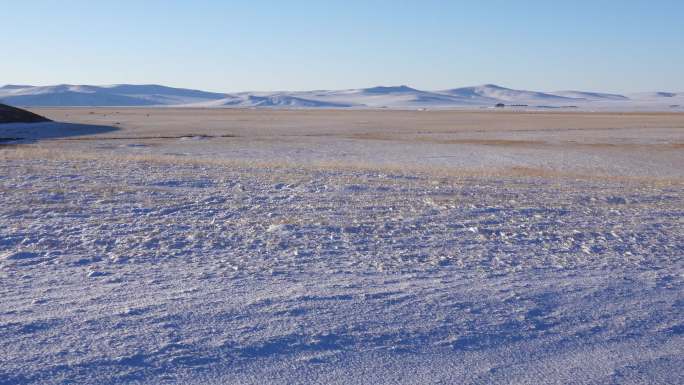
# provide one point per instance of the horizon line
(336, 89)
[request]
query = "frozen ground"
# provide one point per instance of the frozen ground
(121, 262)
(633, 145)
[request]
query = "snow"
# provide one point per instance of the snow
(125, 265)
(489, 93)
(597, 96)
(111, 95)
(654, 95)
(270, 101)
(394, 97)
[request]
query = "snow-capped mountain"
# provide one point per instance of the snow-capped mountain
(403, 96)
(387, 97)
(490, 93)
(269, 100)
(656, 95)
(591, 96)
(113, 95)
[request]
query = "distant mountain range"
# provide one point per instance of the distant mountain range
(400, 97)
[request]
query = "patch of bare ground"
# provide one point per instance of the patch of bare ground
(635, 146)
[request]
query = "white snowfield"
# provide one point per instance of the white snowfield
(128, 257)
(397, 97)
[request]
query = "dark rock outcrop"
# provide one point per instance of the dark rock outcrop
(17, 115)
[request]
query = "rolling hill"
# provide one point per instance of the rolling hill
(115, 95)
(399, 97)
(490, 93)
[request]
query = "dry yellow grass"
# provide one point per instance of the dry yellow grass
(284, 169)
(275, 138)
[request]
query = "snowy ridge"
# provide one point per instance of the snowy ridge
(590, 95)
(279, 100)
(492, 93)
(403, 97)
(112, 95)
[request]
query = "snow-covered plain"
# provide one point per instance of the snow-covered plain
(136, 260)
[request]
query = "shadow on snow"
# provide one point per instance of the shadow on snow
(21, 133)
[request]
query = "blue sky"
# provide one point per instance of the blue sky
(602, 45)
